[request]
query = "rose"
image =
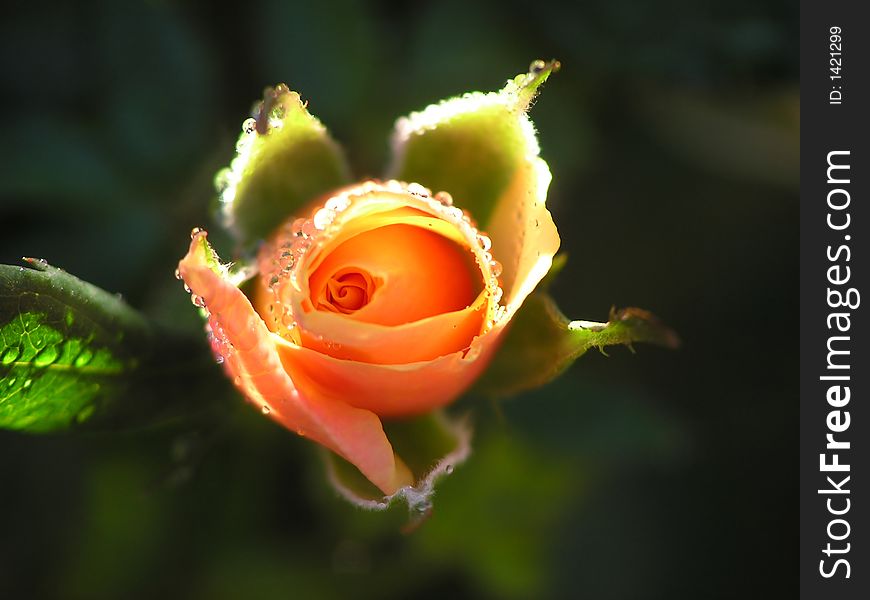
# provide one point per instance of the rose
(386, 302)
(383, 301)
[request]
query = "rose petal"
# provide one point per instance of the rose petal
(391, 391)
(251, 357)
(411, 342)
(419, 273)
(524, 237)
(364, 235)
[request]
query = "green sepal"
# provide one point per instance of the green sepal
(542, 343)
(285, 160)
(471, 146)
(430, 445)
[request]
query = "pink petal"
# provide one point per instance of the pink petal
(251, 358)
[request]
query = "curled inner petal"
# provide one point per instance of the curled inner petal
(347, 291)
(395, 274)
(435, 286)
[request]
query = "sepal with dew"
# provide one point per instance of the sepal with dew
(431, 446)
(473, 145)
(285, 159)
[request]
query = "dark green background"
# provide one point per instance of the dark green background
(672, 134)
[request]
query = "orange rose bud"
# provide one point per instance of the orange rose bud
(386, 302)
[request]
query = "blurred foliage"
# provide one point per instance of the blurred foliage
(672, 135)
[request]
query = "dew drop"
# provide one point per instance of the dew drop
(45, 357)
(249, 126)
(277, 113)
(484, 242)
(84, 357)
(178, 274)
(197, 301)
(337, 204)
(308, 228)
(300, 431)
(418, 190)
(537, 66)
(322, 218)
(11, 381)
(186, 288)
(444, 198)
(265, 409)
(298, 247)
(195, 231)
(27, 383)
(296, 228)
(496, 268)
(10, 355)
(448, 469)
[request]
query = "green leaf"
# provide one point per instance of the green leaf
(471, 146)
(285, 160)
(431, 446)
(542, 343)
(73, 355)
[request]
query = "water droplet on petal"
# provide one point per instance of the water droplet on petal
(265, 409)
(249, 126)
(484, 242)
(448, 469)
(337, 204)
(308, 228)
(322, 218)
(296, 228)
(444, 198)
(178, 274)
(418, 190)
(195, 231)
(197, 301)
(496, 268)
